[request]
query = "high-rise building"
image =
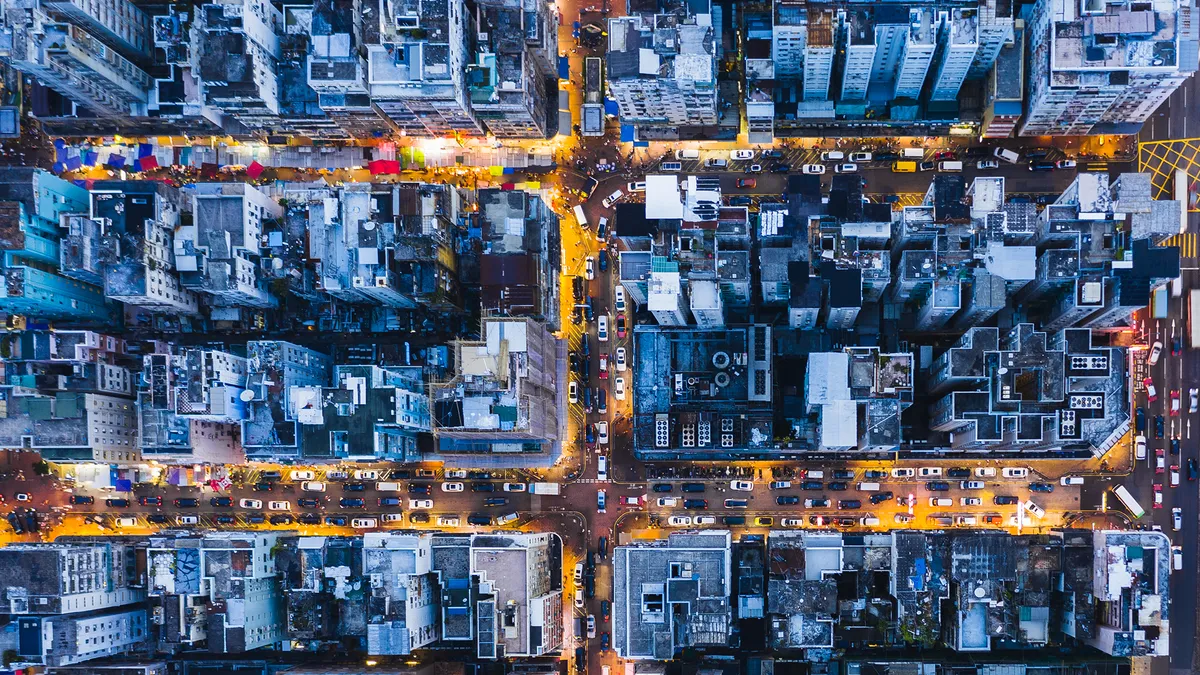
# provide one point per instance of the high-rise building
(819, 53)
(1004, 89)
(511, 66)
(118, 23)
(916, 53)
(278, 372)
(960, 42)
(1099, 67)
(858, 53)
(236, 52)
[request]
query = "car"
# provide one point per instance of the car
(1176, 518)
(221, 501)
(187, 520)
(452, 487)
(589, 267)
(352, 503)
(340, 521)
(271, 475)
(839, 486)
(263, 486)
(483, 487)
(127, 521)
(695, 504)
(1139, 419)
(82, 499)
(755, 168)
(985, 472)
(455, 474)
(366, 474)
(881, 497)
(1041, 487)
(816, 503)
(1004, 500)
(971, 485)
(279, 506)
(619, 298)
(741, 486)
(846, 504)
(1014, 472)
(662, 487)
(513, 487)
(985, 164)
(185, 502)
(904, 473)
(636, 186)
(1065, 164)
(787, 500)
(1151, 392)
(741, 155)
(605, 642)
(1174, 446)
(496, 501)
(958, 472)
(845, 168)
(396, 517)
(225, 520)
(312, 486)
(621, 327)
(302, 474)
(250, 503)
(1034, 509)
(792, 522)
(860, 156)
(602, 336)
(418, 517)
(1042, 166)
(364, 523)
(705, 520)
(781, 168)
(603, 363)
(308, 503)
(1139, 447)
(282, 519)
(1193, 400)
(1160, 461)
(812, 485)
(631, 500)
(573, 391)
(337, 475)
(747, 182)
(874, 474)
(937, 486)
(1158, 496)
(601, 501)
(1159, 427)
(1155, 352)
(927, 166)
(843, 474)
(354, 487)
(679, 521)
(813, 169)
(944, 154)
(779, 484)
(930, 472)
(619, 390)
(1177, 557)
(1175, 403)
(693, 487)
(1176, 346)
(1174, 473)
(612, 199)
(394, 502)
(589, 431)
(602, 433)
(116, 503)
(1191, 469)
(970, 501)
(667, 502)
(144, 501)
(420, 504)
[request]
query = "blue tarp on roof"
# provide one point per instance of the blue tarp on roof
(627, 133)
(124, 485)
(611, 108)
(564, 68)
(641, 144)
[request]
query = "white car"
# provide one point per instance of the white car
(447, 521)
(970, 501)
(589, 267)
(612, 199)
(312, 486)
(279, 506)
(420, 503)
(984, 164)
(366, 474)
(619, 392)
(1176, 518)
(792, 522)
(636, 186)
(704, 520)
(668, 502)
(602, 433)
(1139, 447)
(679, 521)
(579, 598)
(1014, 472)
(250, 503)
(456, 473)
(127, 521)
(1155, 352)
(845, 168)
(831, 155)
(1194, 395)
(573, 391)
(985, 472)
(930, 472)
(1177, 557)
(741, 155)
(300, 474)
(364, 523)
(591, 626)
(619, 360)
(452, 487)
(514, 487)
(813, 169)
(741, 485)
(1034, 509)
(860, 157)
(602, 328)
(393, 517)
(903, 473)
(619, 298)
(187, 520)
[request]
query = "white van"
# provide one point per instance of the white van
(940, 501)
(1176, 287)
(504, 520)
(687, 153)
(914, 153)
(868, 521)
(831, 155)
(815, 475)
(1071, 480)
(716, 162)
(950, 166)
(868, 487)
(580, 216)
(1006, 155)
(385, 486)
(602, 468)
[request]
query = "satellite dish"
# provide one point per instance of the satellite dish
(246, 395)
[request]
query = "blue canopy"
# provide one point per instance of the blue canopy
(627, 133)
(145, 150)
(564, 68)
(610, 107)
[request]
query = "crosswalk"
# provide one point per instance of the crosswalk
(1186, 243)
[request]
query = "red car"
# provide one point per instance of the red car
(1160, 461)
(1175, 403)
(620, 326)
(604, 366)
(1151, 392)
(1158, 496)
(944, 154)
(747, 182)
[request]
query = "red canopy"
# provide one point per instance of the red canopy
(254, 170)
(383, 166)
(148, 162)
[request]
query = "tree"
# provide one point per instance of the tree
(41, 468)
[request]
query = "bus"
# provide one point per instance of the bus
(1194, 318)
(1158, 303)
(1130, 503)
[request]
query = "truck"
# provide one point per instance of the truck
(545, 488)
(1194, 318)
(1159, 308)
